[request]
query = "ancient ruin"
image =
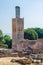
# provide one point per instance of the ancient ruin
(18, 41)
(20, 46)
(17, 30)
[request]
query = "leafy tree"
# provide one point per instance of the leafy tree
(26, 35)
(10, 44)
(1, 35)
(39, 32)
(8, 40)
(30, 34)
(2, 40)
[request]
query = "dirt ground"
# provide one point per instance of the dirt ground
(6, 61)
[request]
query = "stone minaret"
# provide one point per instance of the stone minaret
(17, 29)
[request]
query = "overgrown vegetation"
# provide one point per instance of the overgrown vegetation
(5, 41)
(33, 33)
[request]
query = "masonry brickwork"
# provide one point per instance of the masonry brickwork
(17, 30)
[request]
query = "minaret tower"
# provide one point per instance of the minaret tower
(17, 29)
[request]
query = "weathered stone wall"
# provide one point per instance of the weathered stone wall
(35, 45)
(17, 32)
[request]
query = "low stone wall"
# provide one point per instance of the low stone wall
(10, 53)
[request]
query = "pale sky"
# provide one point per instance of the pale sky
(31, 11)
